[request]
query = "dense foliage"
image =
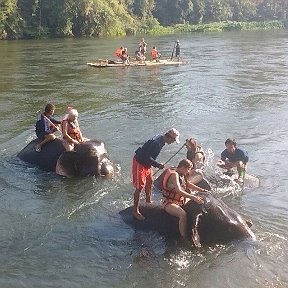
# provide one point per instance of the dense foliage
(59, 18)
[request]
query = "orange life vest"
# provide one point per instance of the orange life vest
(154, 54)
(73, 130)
(169, 195)
(118, 52)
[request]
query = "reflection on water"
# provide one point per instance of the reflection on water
(67, 232)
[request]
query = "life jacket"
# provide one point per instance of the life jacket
(72, 130)
(169, 195)
(118, 52)
(154, 54)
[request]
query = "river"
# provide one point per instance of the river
(57, 232)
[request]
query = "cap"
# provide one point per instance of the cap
(177, 41)
(173, 133)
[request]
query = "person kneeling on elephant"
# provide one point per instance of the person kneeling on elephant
(233, 156)
(71, 131)
(175, 195)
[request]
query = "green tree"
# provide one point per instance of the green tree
(243, 10)
(217, 10)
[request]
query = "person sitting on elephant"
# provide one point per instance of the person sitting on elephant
(195, 153)
(45, 126)
(233, 156)
(71, 131)
(175, 195)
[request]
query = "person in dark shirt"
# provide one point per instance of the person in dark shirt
(45, 127)
(177, 51)
(233, 156)
(143, 160)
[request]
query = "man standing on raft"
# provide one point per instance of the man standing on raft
(143, 160)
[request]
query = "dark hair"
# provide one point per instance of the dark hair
(49, 108)
(185, 163)
(230, 141)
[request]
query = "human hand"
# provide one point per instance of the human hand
(197, 199)
(161, 166)
(220, 163)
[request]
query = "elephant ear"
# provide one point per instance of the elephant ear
(68, 163)
(195, 237)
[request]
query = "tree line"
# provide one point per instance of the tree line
(63, 18)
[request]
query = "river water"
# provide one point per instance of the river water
(57, 232)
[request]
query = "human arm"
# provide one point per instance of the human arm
(148, 153)
(80, 133)
(174, 178)
(194, 187)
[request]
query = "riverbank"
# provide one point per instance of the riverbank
(217, 27)
(157, 30)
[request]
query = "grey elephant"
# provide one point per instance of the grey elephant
(89, 158)
(208, 224)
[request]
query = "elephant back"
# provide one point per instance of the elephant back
(156, 219)
(46, 159)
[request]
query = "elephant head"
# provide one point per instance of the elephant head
(208, 224)
(214, 222)
(89, 158)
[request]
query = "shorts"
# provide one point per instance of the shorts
(139, 174)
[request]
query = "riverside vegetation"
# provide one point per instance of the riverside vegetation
(25, 19)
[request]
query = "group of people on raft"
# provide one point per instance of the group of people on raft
(177, 182)
(140, 53)
(46, 126)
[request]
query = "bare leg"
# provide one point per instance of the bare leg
(47, 138)
(148, 189)
(176, 210)
(136, 213)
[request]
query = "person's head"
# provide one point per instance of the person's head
(177, 41)
(172, 136)
(154, 47)
(184, 167)
(49, 109)
(72, 114)
(230, 145)
(191, 144)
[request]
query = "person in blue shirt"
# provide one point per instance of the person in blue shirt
(143, 160)
(232, 157)
(45, 127)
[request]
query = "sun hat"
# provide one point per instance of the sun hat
(173, 133)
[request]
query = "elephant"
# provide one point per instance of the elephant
(89, 158)
(208, 224)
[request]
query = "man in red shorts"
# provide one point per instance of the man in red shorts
(143, 160)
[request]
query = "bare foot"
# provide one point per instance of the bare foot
(37, 148)
(249, 223)
(138, 216)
